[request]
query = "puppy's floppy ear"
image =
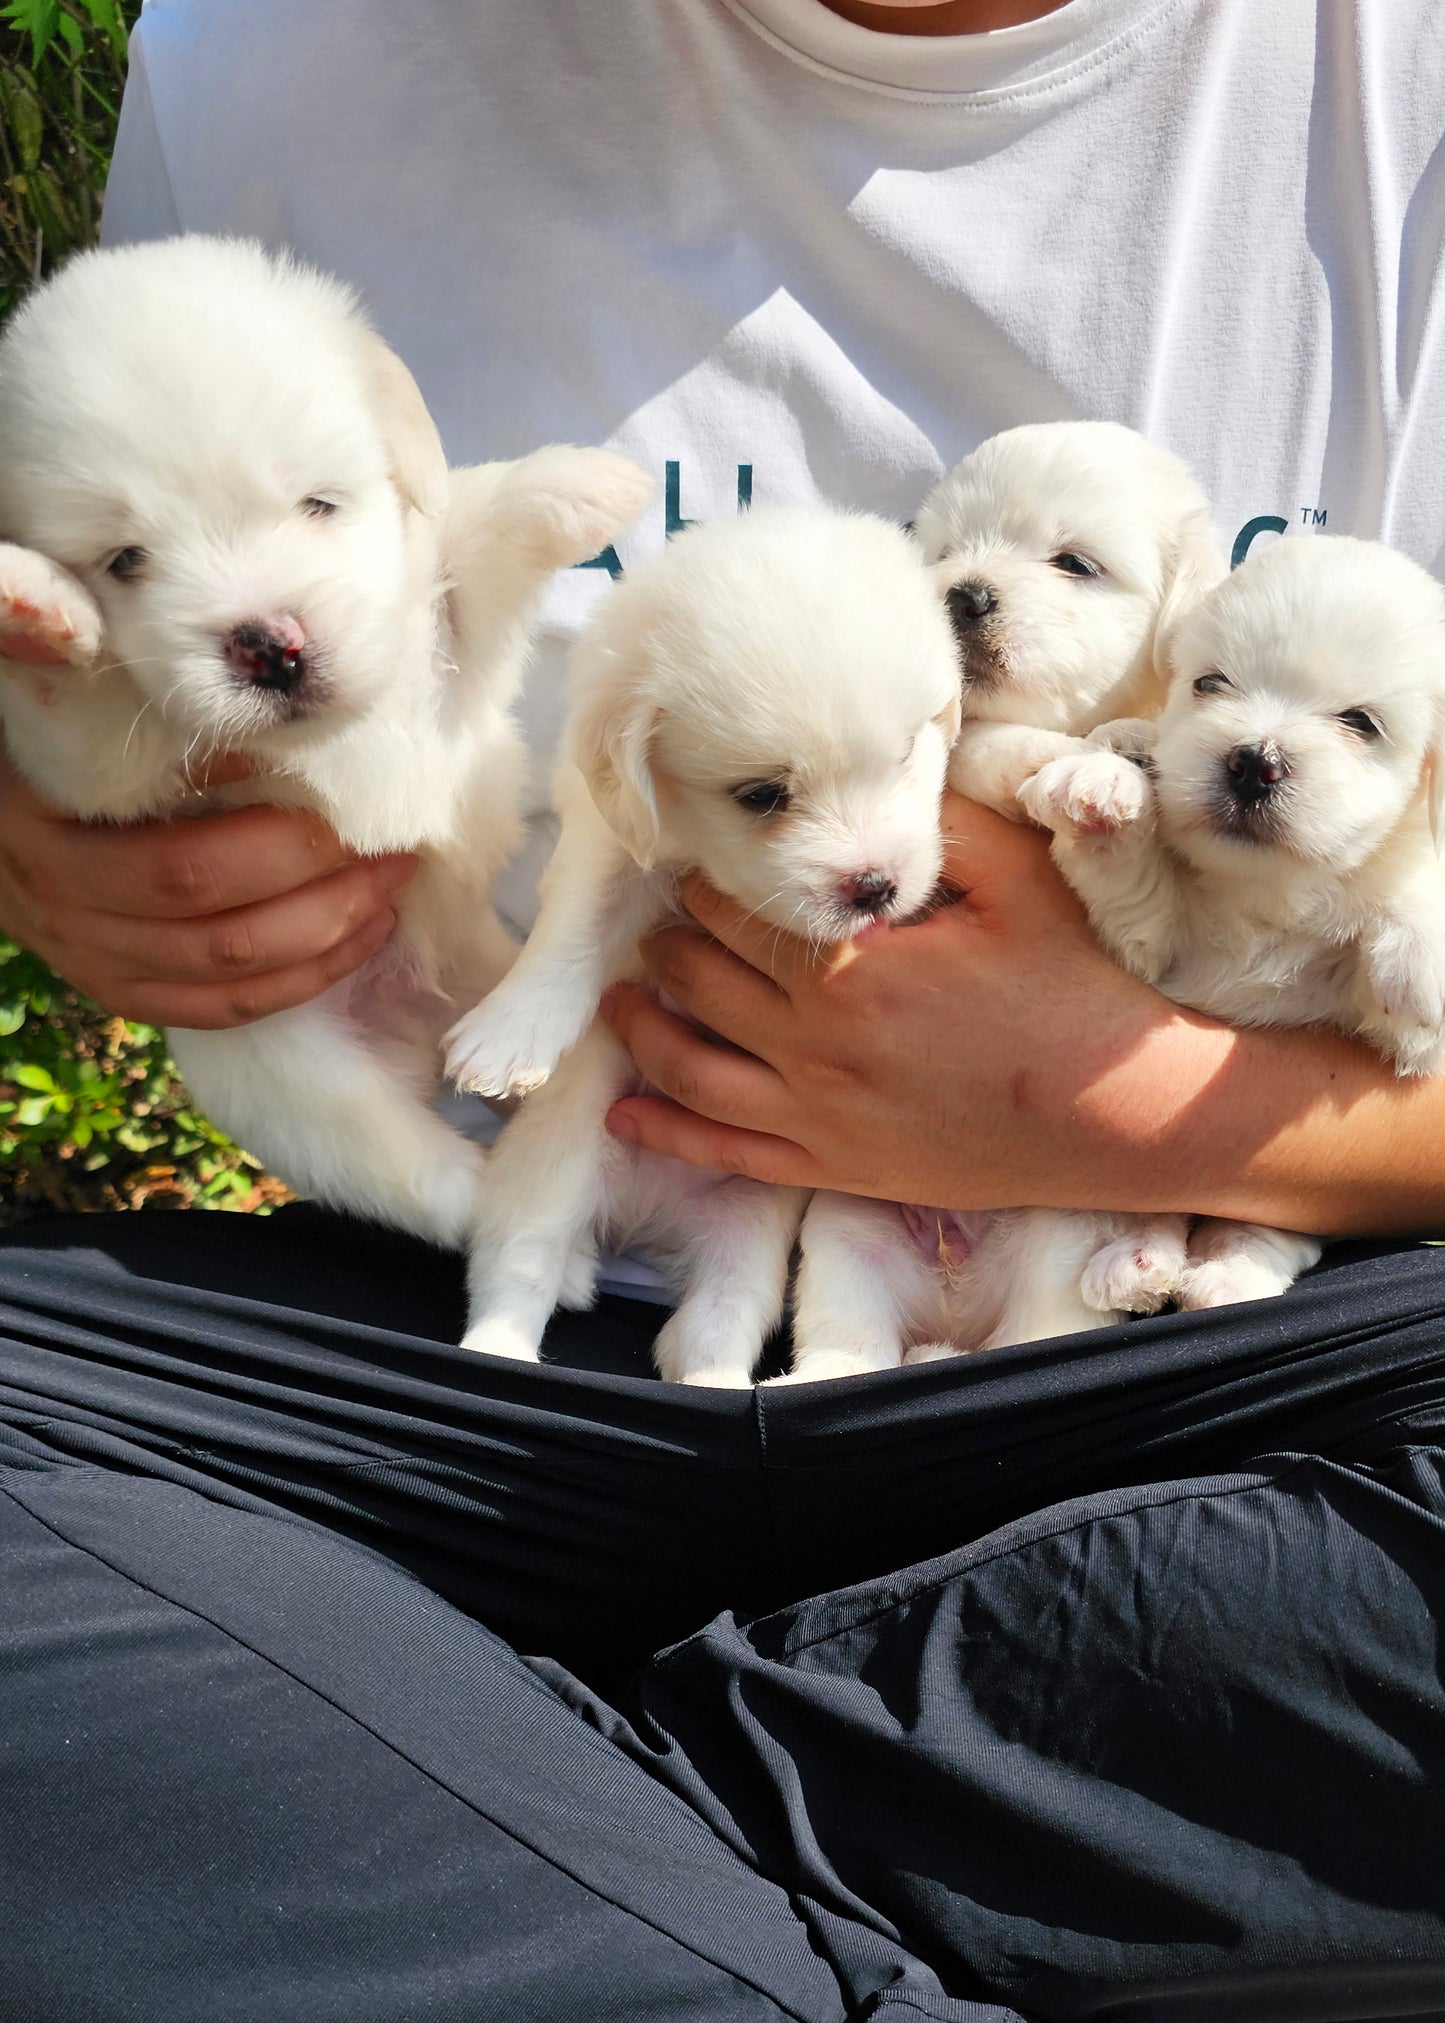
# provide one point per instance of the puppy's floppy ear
(1194, 564)
(47, 616)
(610, 738)
(414, 449)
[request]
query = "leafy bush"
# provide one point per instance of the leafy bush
(91, 1113)
(62, 66)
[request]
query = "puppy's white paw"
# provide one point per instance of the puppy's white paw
(47, 618)
(1415, 1050)
(1225, 1281)
(1407, 974)
(693, 1348)
(498, 1050)
(931, 1352)
(822, 1365)
(501, 1335)
(1094, 793)
(1135, 1274)
(574, 501)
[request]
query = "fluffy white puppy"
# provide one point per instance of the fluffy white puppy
(1066, 551)
(771, 701)
(1267, 852)
(230, 527)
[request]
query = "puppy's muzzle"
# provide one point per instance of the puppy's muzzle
(868, 892)
(1253, 772)
(268, 654)
(969, 604)
(971, 607)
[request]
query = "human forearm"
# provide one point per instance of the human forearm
(1303, 1130)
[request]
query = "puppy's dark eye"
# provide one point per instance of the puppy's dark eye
(1068, 563)
(1361, 723)
(318, 509)
(1213, 683)
(761, 797)
(127, 565)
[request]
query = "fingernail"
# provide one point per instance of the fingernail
(397, 872)
(621, 1125)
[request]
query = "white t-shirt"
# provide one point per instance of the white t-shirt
(768, 253)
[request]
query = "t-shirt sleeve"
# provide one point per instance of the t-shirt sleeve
(139, 200)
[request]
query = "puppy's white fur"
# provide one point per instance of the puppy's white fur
(1322, 900)
(226, 424)
(1065, 551)
(795, 655)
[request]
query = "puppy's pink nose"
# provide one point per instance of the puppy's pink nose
(868, 891)
(268, 653)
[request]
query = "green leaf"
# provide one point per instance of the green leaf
(12, 1018)
(30, 1077)
(107, 18)
(35, 18)
(80, 1134)
(34, 1110)
(71, 34)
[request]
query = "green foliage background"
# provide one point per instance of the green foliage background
(91, 1113)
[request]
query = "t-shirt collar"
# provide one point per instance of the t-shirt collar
(1000, 61)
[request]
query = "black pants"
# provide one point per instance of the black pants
(1097, 1681)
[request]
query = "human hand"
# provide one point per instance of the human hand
(989, 1056)
(204, 922)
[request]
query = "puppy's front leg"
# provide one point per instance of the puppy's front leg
(595, 905)
(1100, 806)
(47, 616)
(545, 1190)
(990, 762)
(508, 527)
(1403, 962)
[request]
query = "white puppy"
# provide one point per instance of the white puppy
(1066, 551)
(772, 701)
(1266, 852)
(235, 531)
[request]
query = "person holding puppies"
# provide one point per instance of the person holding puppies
(1053, 1682)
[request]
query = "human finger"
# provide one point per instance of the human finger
(248, 941)
(182, 869)
(661, 1126)
(762, 945)
(715, 987)
(982, 849)
(716, 1081)
(215, 1007)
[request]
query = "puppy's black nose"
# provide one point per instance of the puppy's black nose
(270, 655)
(1255, 771)
(869, 891)
(968, 602)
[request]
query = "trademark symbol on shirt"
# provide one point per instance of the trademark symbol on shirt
(1313, 516)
